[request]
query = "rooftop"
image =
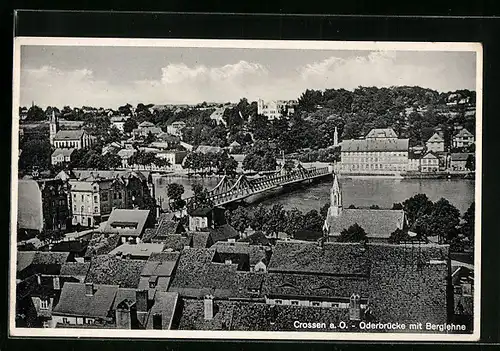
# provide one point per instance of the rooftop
(375, 144)
(75, 269)
(107, 269)
(29, 205)
(206, 149)
(28, 258)
(64, 152)
(138, 250)
(117, 222)
(377, 223)
(69, 134)
(75, 302)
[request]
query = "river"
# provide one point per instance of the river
(361, 192)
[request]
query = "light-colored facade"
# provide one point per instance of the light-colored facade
(93, 199)
(463, 138)
(176, 128)
(273, 109)
(68, 139)
(119, 122)
(429, 163)
(435, 143)
(381, 151)
(61, 156)
(218, 116)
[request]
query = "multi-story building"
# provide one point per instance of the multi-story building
(94, 198)
(435, 143)
(429, 162)
(119, 122)
(61, 156)
(463, 138)
(379, 152)
(42, 205)
(176, 128)
(145, 128)
(68, 139)
(276, 108)
(94, 194)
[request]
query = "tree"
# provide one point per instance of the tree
(275, 220)
(174, 192)
(375, 207)
(324, 210)
(129, 125)
(470, 163)
(354, 233)
(260, 158)
(417, 206)
(35, 113)
(467, 228)
(149, 138)
(397, 206)
(258, 218)
(239, 219)
(443, 221)
(313, 221)
(35, 153)
(398, 235)
(200, 196)
(294, 221)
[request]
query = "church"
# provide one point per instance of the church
(377, 223)
(68, 139)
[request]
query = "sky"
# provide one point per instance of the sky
(107, 76)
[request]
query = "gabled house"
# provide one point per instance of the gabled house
(435, 143)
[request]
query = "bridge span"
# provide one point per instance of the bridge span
(230, 190)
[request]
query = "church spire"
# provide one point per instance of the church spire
(335, 137)
(335, 198)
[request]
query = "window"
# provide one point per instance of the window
(82, 209)
(44, 304)
(83, 197)
(120, 195)
(74, 196)
(74, 208)
(316, 304)
(279, 302)
(294, 302)
(114, 196)
(104, 197)
(65, 320)
(95, 199)
(96, 209)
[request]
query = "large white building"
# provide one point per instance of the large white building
(380, 151)
(273, 109)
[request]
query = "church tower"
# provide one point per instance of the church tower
(54, 127)
(335, 137)
(335, 198)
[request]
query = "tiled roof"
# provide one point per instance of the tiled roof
(376, 223)
(64, 152)
(173, 241)
(200, 211)
(137, 250)
(28, 258)
(196, 275)
(112, 270)
(146, 124)
(75, 269)
(192, 316)
(206, 149)
(74, 301)
(333, 259)
(69, 134)
(101, 244)
(459, 156)
(430, 155)
(29, 205)
(165, 305)
(367, 145)
(382, 133)
(124, 294)
(463, 133)
(119, 215)
(257, 238)
(200, 239)
(435, 138)
(254, 252)
(223, 233)
(311, 285)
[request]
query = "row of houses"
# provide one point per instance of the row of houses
(382, 151)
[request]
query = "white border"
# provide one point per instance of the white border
(249, 44)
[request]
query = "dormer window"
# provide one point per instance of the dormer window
(44, 304)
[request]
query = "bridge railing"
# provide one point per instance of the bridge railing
(262, 184)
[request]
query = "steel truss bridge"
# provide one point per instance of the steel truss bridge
(230, 190)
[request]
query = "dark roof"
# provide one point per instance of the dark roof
(74, 301)
(254, 252)
(223, 233)
(382, 133)
(124, 294)
(197, 275)
(192, 316)
(75, 269)
(257, 238)
(311, 285)
(333, 259)
(28, 258)
(201, 212)
(459, 156)
(69, 134)
(112, 270)
(75, 246)
(435, 138)
(175, 242)
(200, 239)
(64, 152)
(376, 223)
(463, 133)
(366, 145)
(101, 244)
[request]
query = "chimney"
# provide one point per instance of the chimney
(209, 307)
(141, 297)
(89, 289)
(39, 279)
(57, 283)
(354, 308)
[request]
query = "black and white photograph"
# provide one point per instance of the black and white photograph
(246, 189)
